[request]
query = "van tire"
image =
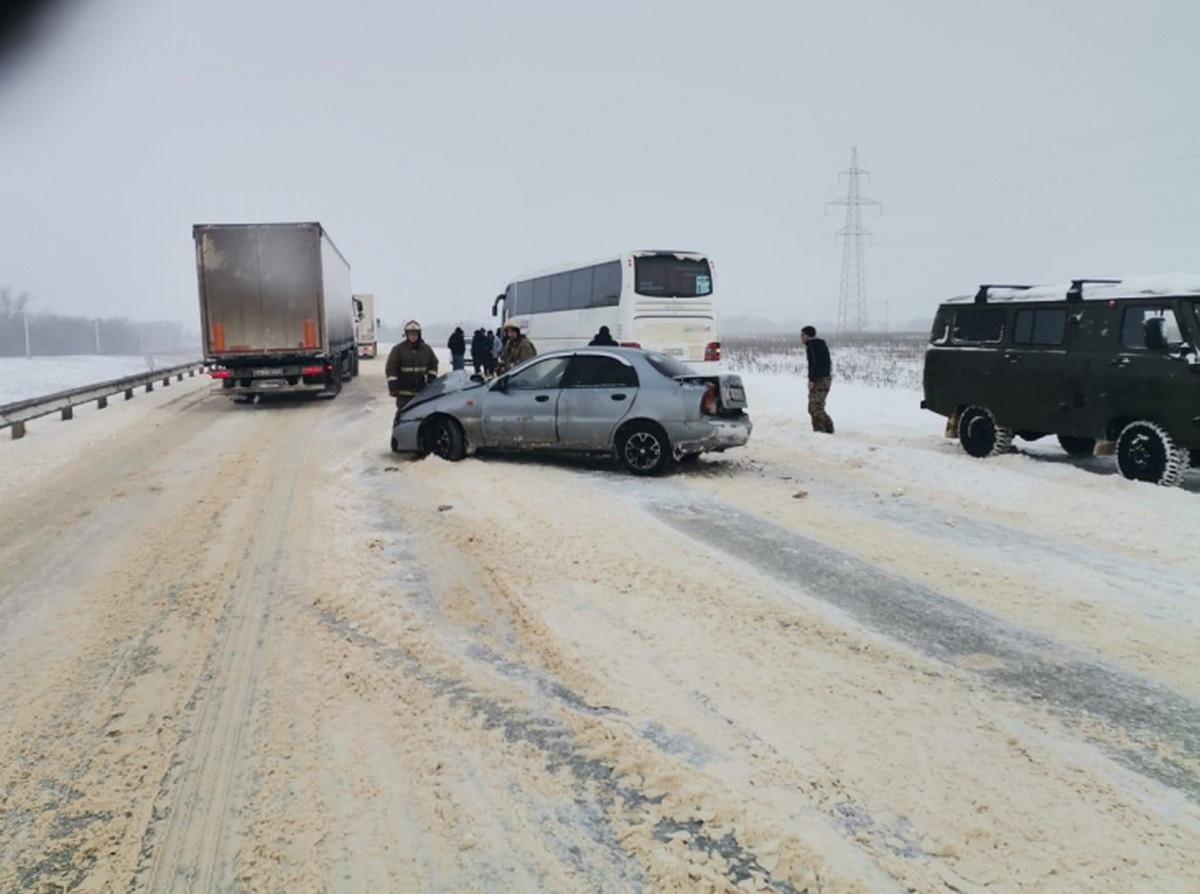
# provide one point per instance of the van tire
(979, 434)
(643, 448)
(1077, 446)
(1147, 452)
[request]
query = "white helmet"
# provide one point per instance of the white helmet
(412, 326)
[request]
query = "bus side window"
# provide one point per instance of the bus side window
(606, 285)
(581, 289)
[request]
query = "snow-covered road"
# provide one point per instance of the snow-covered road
(245, 648)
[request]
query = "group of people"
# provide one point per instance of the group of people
(412, 364)
(486, 348)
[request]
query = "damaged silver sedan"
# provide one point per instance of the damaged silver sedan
(646, 408)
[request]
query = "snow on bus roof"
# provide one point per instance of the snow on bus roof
(637, 253)
(1125, 287)
(1128, 287)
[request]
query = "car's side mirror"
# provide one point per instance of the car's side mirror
(501, 384)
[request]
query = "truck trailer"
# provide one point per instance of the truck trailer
(365, 323)
(276, 308)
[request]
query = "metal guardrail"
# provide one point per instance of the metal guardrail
(16, 414)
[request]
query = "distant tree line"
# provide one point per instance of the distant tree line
(52, 335)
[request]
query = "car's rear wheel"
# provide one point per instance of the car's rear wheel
(1147, 452)
(979, 434)
(644, 449)
(443, 437)
(1077, 446)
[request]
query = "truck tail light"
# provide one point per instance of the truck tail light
(221, 374)
(708, 404)
(630, 344)
(313, 371)
(712, 352)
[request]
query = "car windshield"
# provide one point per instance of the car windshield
(668, 366)
(668, 276)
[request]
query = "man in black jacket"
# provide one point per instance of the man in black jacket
(820, 378)
(603, 338)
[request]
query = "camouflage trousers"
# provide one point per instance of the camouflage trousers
(818, 391)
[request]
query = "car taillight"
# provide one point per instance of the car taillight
(708, 405)
(313, 371)
(712, 352)
(630, 344)
(221, 374)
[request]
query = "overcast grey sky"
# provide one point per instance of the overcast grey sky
(448, 147)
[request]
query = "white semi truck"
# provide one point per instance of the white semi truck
(276, 307)
(365, 323)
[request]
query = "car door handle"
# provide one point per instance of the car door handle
(618, 397)
(542, 398)
(1119, 361)
(1011, 358)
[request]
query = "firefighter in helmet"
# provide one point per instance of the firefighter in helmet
(410, 366)
(517, 347)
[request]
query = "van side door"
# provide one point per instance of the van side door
(1147, 377)
(965, 371)
(1034, 371)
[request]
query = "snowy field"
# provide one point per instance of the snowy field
(21, 378)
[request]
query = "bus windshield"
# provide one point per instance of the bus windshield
(666, 276)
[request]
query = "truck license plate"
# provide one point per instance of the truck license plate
(264, 373)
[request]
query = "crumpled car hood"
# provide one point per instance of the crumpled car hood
(451, 383)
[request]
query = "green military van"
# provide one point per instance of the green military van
(1105, 365)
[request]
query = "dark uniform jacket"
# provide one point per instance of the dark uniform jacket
(409, 368)
(457, 343)
(516, 351)
(819, 364)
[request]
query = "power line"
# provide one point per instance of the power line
(1042, 231)
(852, 292)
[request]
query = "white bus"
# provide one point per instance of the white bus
(658, 300)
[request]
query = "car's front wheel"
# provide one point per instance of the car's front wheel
(443, 437)
(1147, 452)
(644, 449)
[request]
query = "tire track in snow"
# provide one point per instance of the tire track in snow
(1037, 668)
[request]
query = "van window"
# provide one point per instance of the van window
(1043, 326)
(940, 334)
(1149, 328)
(978, 325)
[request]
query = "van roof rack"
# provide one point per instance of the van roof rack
(1075, 293)
(981, 296)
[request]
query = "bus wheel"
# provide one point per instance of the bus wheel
(979, 434)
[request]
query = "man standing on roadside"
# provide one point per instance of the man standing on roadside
(517, 348)
(820, 378)
(410, 366)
